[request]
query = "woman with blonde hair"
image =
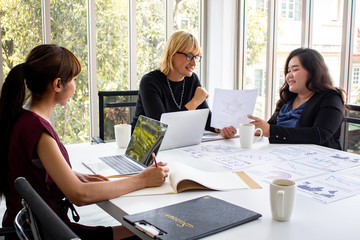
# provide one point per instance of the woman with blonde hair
(175, 86)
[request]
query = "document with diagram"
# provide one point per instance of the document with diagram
(231, 107)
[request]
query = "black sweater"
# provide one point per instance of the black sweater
(155, 98)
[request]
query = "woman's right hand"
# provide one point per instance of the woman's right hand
(259, 123)
(154, 176)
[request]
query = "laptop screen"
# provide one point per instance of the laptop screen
(145, 140)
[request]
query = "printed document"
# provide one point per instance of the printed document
(231, 107)
(329, 187)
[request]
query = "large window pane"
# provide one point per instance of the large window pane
(255, 57)
(327, 34)
(150, 34)
(187, 18)
(112, 44)
(112, 58)
(354, 84)
(288, 39)
(68, 29)
(21, 30)
(352, 130)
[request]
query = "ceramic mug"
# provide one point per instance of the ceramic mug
(122, 134)
(282, 198)
(246, 134)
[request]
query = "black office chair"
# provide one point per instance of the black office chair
(6, 231)
(115, 107)
(351, 129)
(37, 215)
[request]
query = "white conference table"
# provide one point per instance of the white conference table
(310, 219)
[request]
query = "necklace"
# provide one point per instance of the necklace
(172, 94)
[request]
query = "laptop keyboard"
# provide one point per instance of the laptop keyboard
(121, 164)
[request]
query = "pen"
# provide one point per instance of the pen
(153, 155)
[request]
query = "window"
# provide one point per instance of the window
(354, 92)
(290, 9)
(72, 122)
(21, 30)
(21, 27)
(130, 36)
(150, 35)
(112, 45)
(355, 78)
(255, 57)
(259, 82)
(327, 34)
(288, 39)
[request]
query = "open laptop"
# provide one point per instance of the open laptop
(185, 128)
(145, 140)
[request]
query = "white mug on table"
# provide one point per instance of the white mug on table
(122, 134)
(282, 198)
(246, 134)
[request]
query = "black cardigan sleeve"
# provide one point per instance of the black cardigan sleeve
(320, 122)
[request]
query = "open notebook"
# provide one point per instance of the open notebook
(145, 140)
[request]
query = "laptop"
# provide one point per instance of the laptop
(185, 128)
(145, 140)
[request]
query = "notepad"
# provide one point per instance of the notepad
(183, 177)
(191, 219)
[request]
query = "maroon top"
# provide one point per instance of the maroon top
(24, 161)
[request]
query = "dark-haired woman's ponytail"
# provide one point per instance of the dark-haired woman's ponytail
(11, 102)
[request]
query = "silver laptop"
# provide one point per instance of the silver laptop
(185, 128)
(145, 140)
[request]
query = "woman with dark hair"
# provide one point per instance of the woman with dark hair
(310, 108)
(174, 86)
(29, 146)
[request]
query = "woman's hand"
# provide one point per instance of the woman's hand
(259, 123)
(228, 132)
(90, 177)
(199, 97)
(154, 176)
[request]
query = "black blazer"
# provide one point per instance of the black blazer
(320, 122)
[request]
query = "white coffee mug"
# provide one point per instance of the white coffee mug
(246, 134)
(282, 198)
(122, 134)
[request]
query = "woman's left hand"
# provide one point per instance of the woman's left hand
(90, 177)
(228, 132)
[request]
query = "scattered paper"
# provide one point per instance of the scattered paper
(231, 107)
(283, 170)
(329, 187)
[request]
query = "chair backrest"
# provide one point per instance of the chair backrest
(115, 107)
(44, 223)
(351, 129)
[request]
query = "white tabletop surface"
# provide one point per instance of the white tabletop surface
(310, 219)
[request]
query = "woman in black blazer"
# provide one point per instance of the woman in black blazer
(310, 109)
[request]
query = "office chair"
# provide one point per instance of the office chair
(43, 222)
(351, 129)
(5, 231)
(115, 107)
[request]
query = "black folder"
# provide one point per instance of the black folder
(191, 219)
